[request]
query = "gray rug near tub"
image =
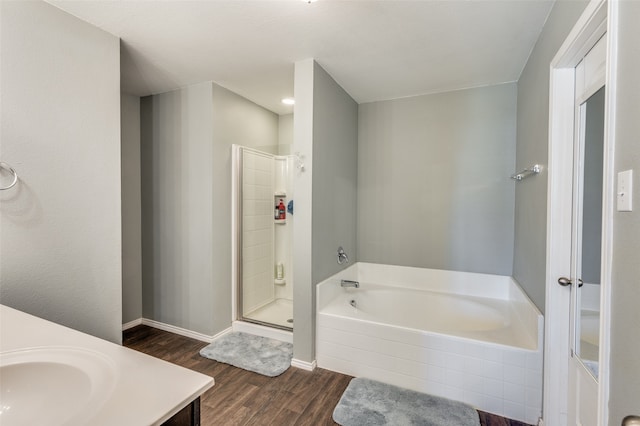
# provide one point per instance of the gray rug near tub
(367, 402)
(261, 355)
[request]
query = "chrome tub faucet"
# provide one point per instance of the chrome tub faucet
(342, 256)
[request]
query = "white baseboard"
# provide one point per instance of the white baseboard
(304, 365)
(222, 333)
(259, 330)
(237, 326)
(183, 331)
(131, 324)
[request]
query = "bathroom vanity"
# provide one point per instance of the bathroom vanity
(51, 374)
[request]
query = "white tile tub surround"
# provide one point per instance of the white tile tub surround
(465, 364)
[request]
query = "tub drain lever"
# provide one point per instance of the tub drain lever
(349, 283)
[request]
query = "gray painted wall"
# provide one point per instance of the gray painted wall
(131, 210)
(326, 134)
(285, 134)
(303, 289)
(433, 180)
(186, 200)
(529, 263)
(177, 208)
(335, 173)
(235, 121)
(60, 248)
(625, 315)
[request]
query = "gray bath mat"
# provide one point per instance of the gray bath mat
(261, 355)
(367, 402)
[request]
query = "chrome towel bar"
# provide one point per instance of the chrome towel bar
(13, 172)
(533, 170)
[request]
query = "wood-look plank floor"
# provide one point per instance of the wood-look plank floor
(240, 397)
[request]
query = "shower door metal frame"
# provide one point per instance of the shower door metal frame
(238, 237)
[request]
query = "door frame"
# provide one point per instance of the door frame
(599, 17)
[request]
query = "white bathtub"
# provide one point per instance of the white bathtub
(475, 338)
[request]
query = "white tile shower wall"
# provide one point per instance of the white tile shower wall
(283, 233)
(493, 378)
(257, 230)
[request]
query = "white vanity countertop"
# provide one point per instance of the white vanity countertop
(139, 390)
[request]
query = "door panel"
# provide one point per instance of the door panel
(585, 400)
(586, 239)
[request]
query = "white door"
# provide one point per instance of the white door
(586, 238)
(580, 200)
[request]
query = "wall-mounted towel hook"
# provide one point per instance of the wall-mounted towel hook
(533, 170)
(13, 172)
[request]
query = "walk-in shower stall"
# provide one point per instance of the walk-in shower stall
(263, 223)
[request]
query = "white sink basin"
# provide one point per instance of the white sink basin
(53, 385)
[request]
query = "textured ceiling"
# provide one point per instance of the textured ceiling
(375, 50)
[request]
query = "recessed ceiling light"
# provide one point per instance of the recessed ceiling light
(309, 1)
(288, 101)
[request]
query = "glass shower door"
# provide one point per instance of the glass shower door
(262, 246)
